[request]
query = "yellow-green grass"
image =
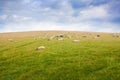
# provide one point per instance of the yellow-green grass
(90, 59)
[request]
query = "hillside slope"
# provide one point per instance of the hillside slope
(92, 58)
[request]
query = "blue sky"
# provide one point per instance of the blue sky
(79, 15)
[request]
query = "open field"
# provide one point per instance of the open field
(93, 58)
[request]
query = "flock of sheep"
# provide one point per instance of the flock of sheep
(61, 37)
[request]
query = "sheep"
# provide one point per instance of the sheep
(61, 35)
(84, 36)
(11, 40)
(60, 39)
(98, 35)
(115, 35)
(51, 38)
(76, 40)
(40, 48)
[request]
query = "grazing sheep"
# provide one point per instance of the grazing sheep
(51, 38)
(84, 36)
(60, 39)
(40, 48)
(61, 35)
(11, 40)
(98, 35)
(115, 35)
(76, 40)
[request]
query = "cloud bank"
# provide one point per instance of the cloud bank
(79, 15)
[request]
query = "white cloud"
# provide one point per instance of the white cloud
(32, 16)
(3, 17)
(21, 18)
(37, 25)
(14, 17)
(26, 1)
(94, 12)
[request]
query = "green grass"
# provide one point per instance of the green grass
(90, 59)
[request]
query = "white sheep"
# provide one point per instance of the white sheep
(76, 40)
(11, 40)
(60, 39)
(40, 48)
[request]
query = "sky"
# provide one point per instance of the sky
(70, 15)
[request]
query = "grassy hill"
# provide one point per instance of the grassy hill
(93, 58)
